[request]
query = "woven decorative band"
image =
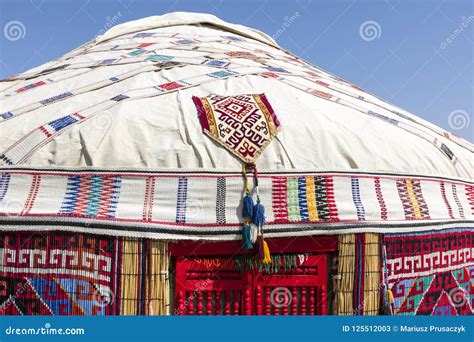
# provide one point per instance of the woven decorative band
(207, 204)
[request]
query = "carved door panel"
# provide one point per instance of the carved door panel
(214, 285)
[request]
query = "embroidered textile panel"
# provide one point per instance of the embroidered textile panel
(431, 273)
(243, 124)
(62, 273)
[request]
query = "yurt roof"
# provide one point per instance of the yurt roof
(344, 128)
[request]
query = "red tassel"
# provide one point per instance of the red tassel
(260, 247)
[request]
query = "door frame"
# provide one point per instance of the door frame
(311, 244)
(321, 245)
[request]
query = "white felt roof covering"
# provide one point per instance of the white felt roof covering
(164, 132)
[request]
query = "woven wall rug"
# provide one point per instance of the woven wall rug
(63, 273)
(431, 273)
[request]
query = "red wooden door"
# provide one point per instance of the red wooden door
(214, 285)
(300, 291)
(209, 286)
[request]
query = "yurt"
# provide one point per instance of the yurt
(183, 165)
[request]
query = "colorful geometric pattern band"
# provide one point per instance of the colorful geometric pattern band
(207, 204)
(243, 124)
(91, 196)
(431, 273)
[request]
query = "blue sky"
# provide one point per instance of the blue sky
(420, 57)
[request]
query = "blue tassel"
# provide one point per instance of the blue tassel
(246, 238)
(259, 215)
(248, 207)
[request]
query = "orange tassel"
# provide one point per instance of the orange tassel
(267, 259)
(390, 297)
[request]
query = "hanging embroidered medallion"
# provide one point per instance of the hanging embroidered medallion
(243, 124)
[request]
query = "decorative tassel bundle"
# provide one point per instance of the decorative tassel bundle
(260, 247)
(390, 301)
(248, 207)
(247, 237)
(253, 235)
(390, 298)
(247, 212)
(267, 259)
(259, 220)
(254, 214)
(259, 214)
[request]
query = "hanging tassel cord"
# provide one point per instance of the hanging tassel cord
(247, 213)
(259, 220)
(254, 213)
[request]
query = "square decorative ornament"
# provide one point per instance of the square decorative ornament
(243, 124)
